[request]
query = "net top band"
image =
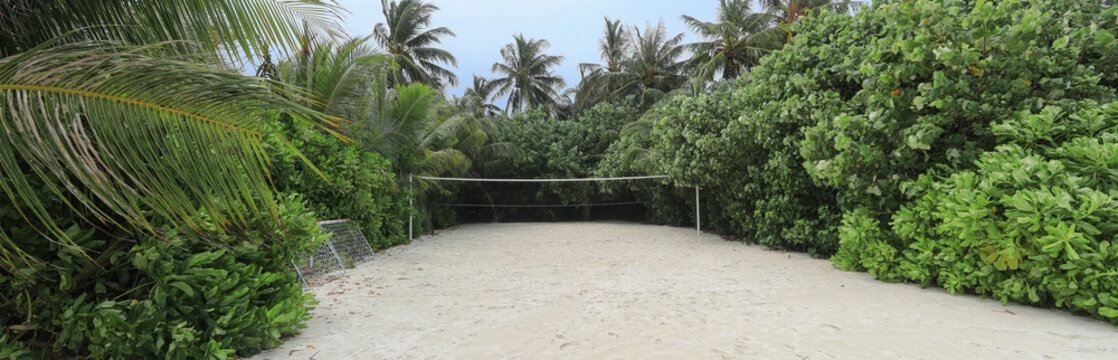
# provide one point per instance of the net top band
(544, 180)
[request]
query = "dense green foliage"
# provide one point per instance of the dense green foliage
(347, 183)
(868, 102)
(1034, 222)
(138, 218)
(954, 143)
(740, 144)
(548, 148)
(177, 296)
(914, 85)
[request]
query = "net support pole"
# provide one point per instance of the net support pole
(411, 199)
(698, 220)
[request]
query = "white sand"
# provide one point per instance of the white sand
(630, 291)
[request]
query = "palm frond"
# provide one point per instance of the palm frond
(116, 134)
(229, 29)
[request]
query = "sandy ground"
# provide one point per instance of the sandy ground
(630, 291)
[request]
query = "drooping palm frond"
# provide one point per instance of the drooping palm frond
(337, 77)
(233, 29)
(116, 134)
(395, 117)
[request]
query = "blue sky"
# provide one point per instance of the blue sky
(572, 26)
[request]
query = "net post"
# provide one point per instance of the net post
(411, 199)
(698, 220)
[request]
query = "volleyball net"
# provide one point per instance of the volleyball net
(493, 205)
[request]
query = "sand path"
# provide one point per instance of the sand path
(631, 291)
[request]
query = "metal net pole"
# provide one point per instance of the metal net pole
(411, 199)
(698, 220)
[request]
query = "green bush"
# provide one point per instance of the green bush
(169, 297)
(741, 144)
(664, 203)
(1035, 222)
(913, 85)
(361, 184)
(686, 144)
(552, 148)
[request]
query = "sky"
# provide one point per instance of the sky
(573, 27)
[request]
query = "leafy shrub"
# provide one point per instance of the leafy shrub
(741, 144)
(913, 85)
(361, 184)
(1035, 222)
(551, 148)
(170, 297)
(664, 202)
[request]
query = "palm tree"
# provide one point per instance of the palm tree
(594, 87)
(475, 100)
(527, 76)
(132, 116)
(787, 12)
(732, 44)
(613, 46)
(405, 36)
(654, 69)
(337, 76)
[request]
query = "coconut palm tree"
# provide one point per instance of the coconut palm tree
(407, 123)
(790, 11)
(732, 44)
(654, 69)
(129, 113)
(405, 36)
(614, 47)
(527, 76)
(475, 99)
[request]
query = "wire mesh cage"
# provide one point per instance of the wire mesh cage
(348, 241)
(345, 248)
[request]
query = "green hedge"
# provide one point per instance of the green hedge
(553, 148)
(1035, 222)
(914, 85)
(358, 184)
(170, 297)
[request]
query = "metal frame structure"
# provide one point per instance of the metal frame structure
(345, 248)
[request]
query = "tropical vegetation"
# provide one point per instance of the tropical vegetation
(404, 36)
(153, 196)
(526, 75)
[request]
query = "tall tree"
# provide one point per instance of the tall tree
(527, 76)
(733, 43)
(654, 69)
(114, 110)
(475, 99)
(790, 11)
(405, 36)
(614, 47)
